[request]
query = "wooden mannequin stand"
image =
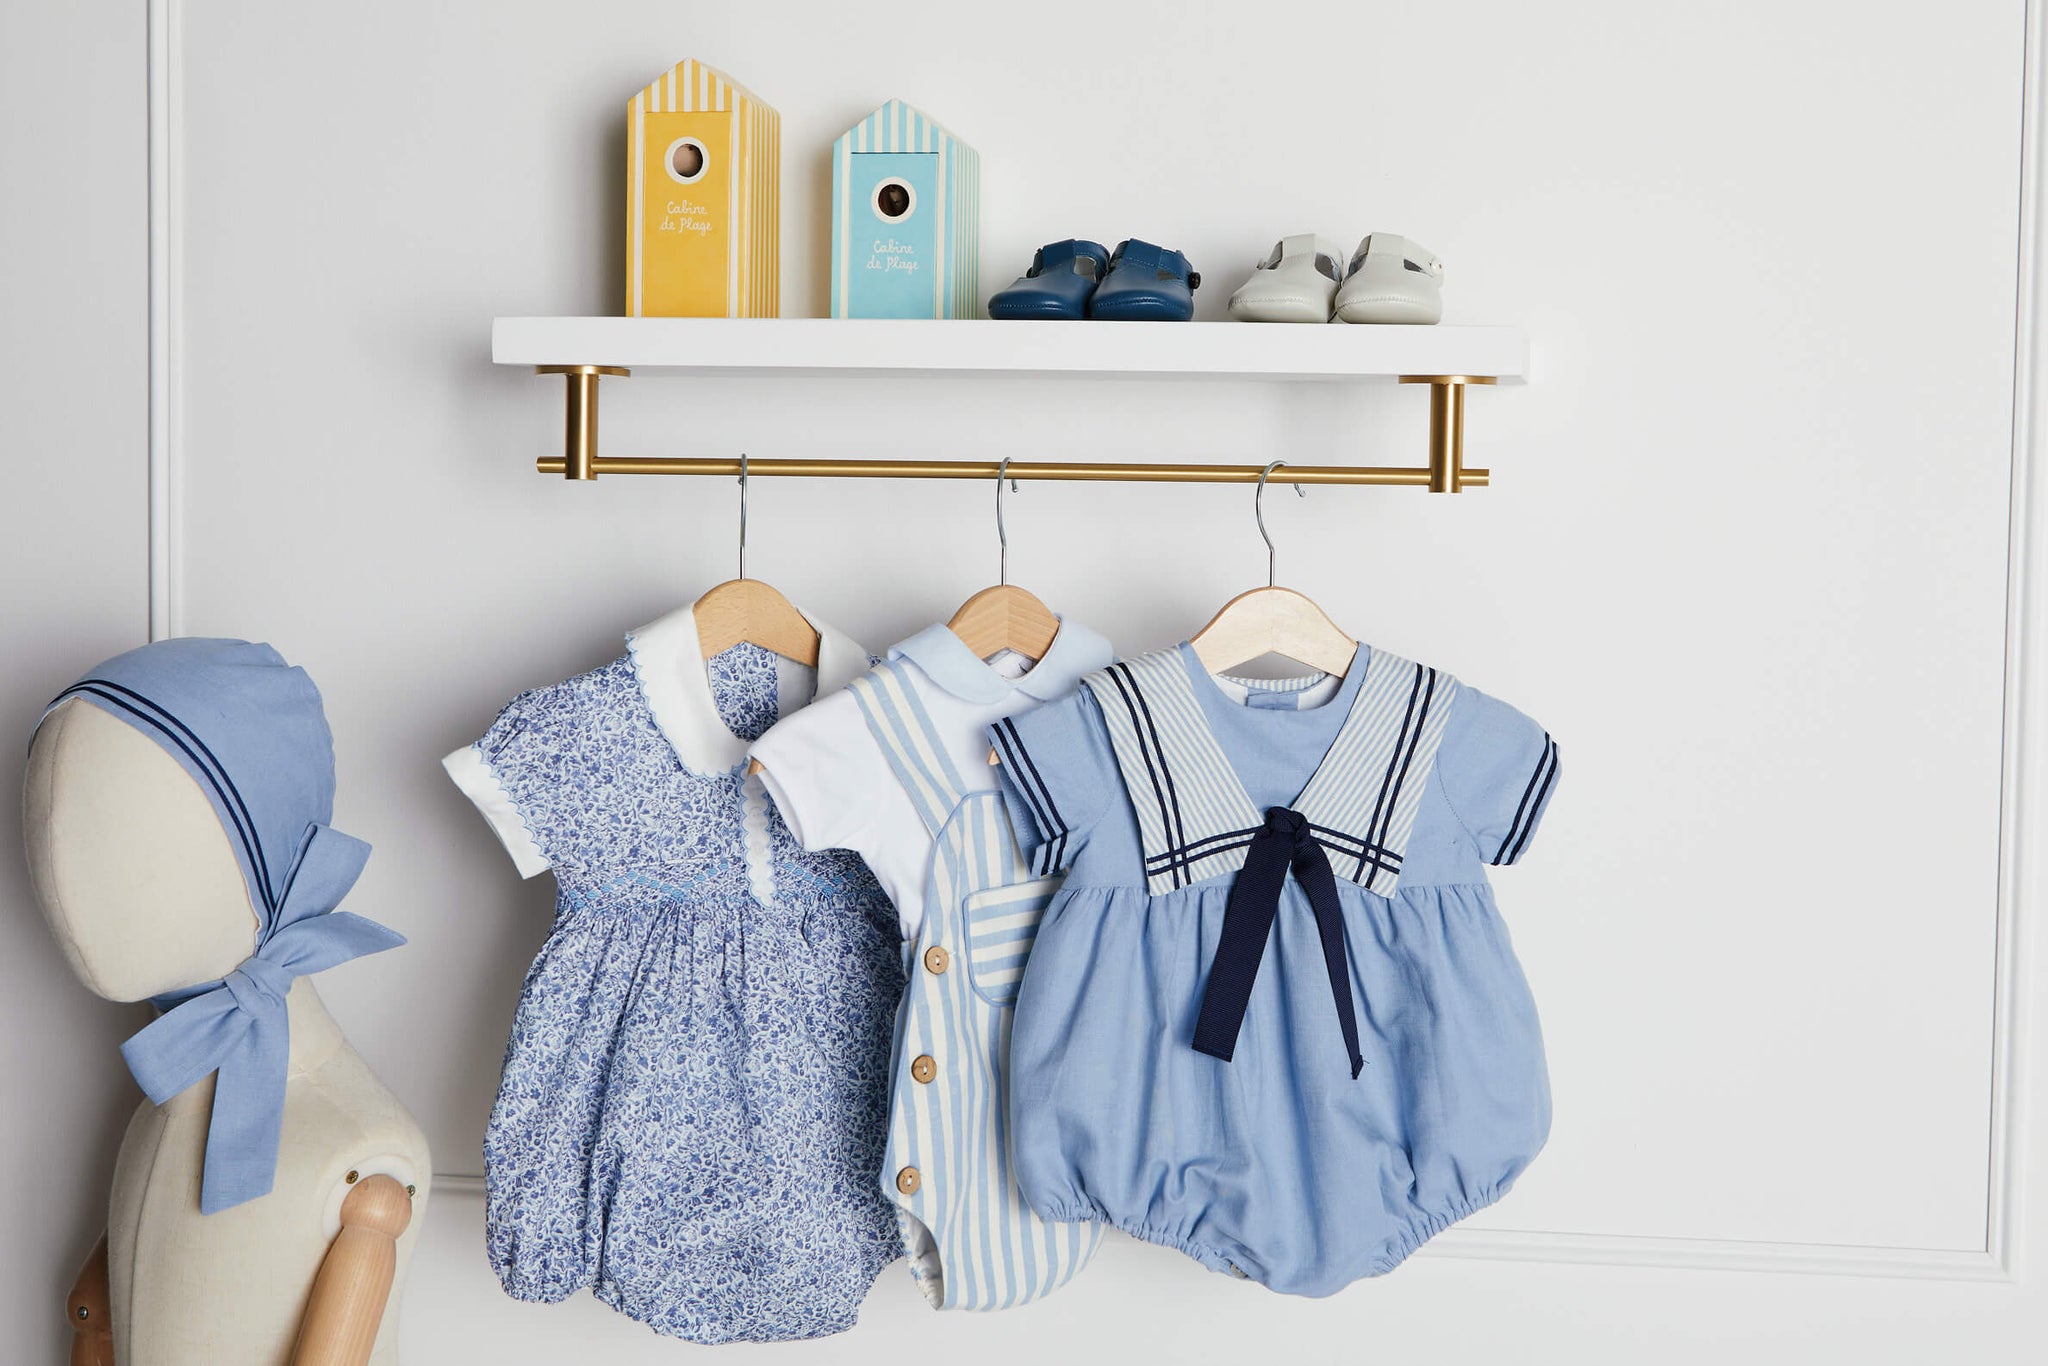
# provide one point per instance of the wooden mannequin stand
(348, 1297)
(88, 1308)
(355, 1279)
(312, 1270)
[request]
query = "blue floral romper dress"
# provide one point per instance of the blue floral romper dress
(695, 1093)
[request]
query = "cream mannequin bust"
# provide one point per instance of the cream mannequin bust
(140, 885)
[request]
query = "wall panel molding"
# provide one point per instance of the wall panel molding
(162, 270)
(1596, 1249)
(2023, 825)
(2025, 751)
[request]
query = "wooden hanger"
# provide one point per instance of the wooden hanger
(1277, 621)
(1005, 617)
(1272, 620)
(748, 609)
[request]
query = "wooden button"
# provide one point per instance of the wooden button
(937, 959)
(924, 1068)
(907, 1180)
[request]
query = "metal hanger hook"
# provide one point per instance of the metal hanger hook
(1259, 515)
(1002, 532)
(743, 514)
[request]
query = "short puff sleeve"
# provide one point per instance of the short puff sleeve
(826, 774)
(1498, 769)
(1058, 775)
(506, 760)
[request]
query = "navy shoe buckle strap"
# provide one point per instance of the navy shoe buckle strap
(1284, 842)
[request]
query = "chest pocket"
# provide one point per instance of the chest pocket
(1001, 924)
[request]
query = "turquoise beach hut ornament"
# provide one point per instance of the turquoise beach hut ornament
(906, 219)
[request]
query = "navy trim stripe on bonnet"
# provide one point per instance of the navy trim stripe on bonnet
(251, 731)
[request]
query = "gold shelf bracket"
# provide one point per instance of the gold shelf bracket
(579, 432)
(1447, 472)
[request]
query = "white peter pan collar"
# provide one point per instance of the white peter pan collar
(669, 662)
(948, 662)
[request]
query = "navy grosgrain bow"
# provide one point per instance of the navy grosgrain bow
(238, 1026)
(1285, 841)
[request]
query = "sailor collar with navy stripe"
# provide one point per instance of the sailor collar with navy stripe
(668, 659)
(948, 662)
(1195, 819)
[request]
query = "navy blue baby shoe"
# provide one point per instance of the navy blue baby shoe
(1062, 276)
(1146, 284)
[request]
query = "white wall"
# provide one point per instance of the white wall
(73, 589)
(1746, 555)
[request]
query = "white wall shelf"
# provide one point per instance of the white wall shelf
(1446, 359)
(691, 346)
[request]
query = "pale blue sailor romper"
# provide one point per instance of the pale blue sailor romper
(1300, 1074)
(694, 1096)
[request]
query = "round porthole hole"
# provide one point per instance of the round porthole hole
(894, 200)
(686, 160)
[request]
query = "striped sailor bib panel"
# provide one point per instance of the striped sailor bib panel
(1195, 820)
(973, 1242)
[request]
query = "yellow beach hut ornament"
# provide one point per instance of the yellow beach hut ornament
(704, 170)
(906, 219)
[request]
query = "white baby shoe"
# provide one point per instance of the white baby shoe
(1296, 284)
(1391, 280)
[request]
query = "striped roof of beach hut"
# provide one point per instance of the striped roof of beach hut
(752, 209)
(901, 127)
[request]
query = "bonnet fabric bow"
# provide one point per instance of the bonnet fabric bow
(250, 730)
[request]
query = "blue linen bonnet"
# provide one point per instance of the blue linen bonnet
(250, 730)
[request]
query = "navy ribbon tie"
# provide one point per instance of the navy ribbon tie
(238, 1026)
(1284, 842)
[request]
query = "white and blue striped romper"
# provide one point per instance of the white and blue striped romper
(975, 1243)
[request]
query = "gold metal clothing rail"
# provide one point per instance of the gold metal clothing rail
(1445, 472)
